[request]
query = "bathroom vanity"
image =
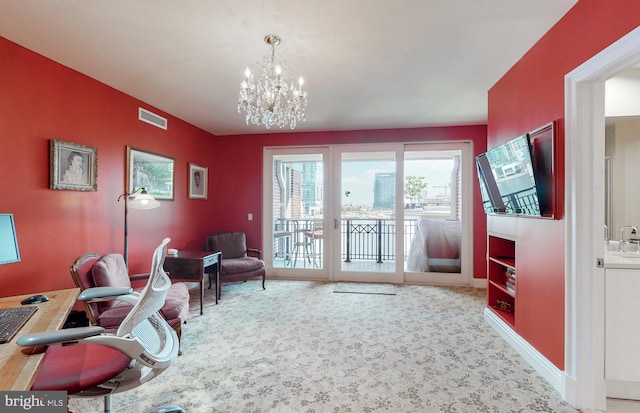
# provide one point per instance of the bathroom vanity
(622, 324)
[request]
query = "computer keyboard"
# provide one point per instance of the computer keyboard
(12, 319)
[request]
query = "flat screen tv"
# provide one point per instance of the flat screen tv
(510, 173)
(491, 199)
(8, 241)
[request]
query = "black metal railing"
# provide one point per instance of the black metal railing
(362, 238)
(374, 239)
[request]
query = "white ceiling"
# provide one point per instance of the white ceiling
(367, 64)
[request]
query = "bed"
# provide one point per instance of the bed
(435, 246)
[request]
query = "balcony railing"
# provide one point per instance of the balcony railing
(362, 239)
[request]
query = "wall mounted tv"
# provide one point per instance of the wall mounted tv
(8, 241)
(507, 179)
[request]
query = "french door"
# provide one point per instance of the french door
(369, 213)
(296, 207)
(368, 248)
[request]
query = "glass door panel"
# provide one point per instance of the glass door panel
(367, 219)
(297, 195)
(433, 214)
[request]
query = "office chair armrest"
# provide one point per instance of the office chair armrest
(103, 293)
(58, 336)
(255, 251)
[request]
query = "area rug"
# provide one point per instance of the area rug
(365, 288)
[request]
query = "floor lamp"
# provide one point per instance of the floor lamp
(140, 200)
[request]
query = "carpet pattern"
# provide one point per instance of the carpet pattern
(365, 288)
(297, 347)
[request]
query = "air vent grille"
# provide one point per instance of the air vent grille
(151, 118)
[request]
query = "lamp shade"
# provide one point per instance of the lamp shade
(144, 201)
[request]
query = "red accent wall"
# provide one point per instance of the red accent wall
(42, 99)
(529, 95)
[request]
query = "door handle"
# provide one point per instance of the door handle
(336, 224)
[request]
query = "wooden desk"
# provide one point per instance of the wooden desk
(190, 266)
(18, 367)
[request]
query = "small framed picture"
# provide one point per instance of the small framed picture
(150, 171)
(198, 181)
(73, 167)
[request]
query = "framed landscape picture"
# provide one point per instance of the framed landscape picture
(73, 167)
(198, 181)
(153, 172)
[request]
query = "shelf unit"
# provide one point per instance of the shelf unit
(501, 259)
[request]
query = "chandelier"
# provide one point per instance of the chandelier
(268, 96)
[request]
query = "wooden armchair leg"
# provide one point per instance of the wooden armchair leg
(178, 330)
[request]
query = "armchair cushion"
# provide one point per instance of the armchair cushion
(175, 308)
(110, 271)
(113, 316)
(240, 265)
(231, 244)
(176, 304)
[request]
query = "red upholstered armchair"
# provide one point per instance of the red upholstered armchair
(236, 264)
(93, 270)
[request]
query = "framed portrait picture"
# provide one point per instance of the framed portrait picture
(198, 181)
(73, 167)
(153, 172)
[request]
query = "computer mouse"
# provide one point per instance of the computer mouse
(35, 299)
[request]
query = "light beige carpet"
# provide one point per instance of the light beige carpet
(365, 288)
(297, 347)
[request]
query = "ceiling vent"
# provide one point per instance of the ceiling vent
(151, 118)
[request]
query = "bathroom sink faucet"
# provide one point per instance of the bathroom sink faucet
(633, 229)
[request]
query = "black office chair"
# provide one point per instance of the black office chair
(87, 362)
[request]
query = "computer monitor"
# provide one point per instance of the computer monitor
(9, 251)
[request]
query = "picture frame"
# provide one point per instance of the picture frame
(198, 181)
(151, 171)
(73, 167)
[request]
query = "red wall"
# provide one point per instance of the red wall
(528, 96)
(41, 100)
(238, 168)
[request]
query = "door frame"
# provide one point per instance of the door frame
(331, 197)
(584, 383)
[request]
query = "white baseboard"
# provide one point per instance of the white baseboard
(554, 376)
(479, 283)
(620, 389)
